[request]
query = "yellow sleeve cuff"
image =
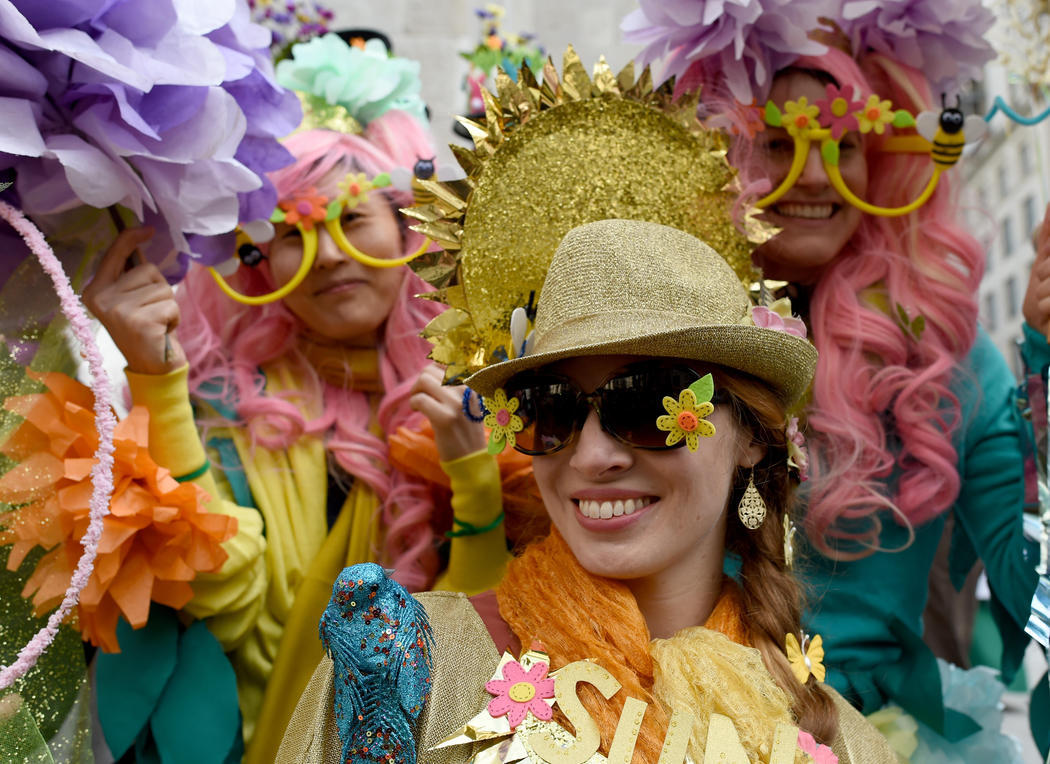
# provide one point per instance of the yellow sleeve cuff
(173, 438)
(476, 563)
(477, 495)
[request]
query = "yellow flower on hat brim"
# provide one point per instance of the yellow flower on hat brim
(685, 419)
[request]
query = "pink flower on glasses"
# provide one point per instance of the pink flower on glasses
(766, 318)
(837, 110)
(520, 692)
(820, 754)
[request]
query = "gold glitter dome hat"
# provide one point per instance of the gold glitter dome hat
(552, 155)
(636, 288)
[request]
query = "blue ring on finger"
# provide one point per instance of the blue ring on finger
(467, 412)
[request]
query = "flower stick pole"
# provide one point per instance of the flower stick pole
(101, 470)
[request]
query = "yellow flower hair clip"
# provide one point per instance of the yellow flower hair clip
(806, 658)
(685, 417)
(502, 421)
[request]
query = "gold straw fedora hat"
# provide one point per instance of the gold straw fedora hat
(639, 288)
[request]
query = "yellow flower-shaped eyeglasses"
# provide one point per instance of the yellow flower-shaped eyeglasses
(685, 417)
(942, 136)
(354, 190)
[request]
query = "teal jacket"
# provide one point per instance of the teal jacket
(869, 611)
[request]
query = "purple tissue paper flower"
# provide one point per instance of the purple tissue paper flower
(166, 107)
(744, 41)
(942, 38)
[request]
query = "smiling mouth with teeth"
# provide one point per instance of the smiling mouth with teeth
(808, 211)
(603, 510)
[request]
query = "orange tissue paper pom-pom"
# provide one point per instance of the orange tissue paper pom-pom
(157, 536)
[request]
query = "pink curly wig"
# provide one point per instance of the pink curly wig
(883, 412)
(227, 341)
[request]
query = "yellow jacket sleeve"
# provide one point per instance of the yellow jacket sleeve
(476, 562)
(232, 598)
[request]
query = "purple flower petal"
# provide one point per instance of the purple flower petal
(942, 38)
(18, 131)
(212, 250)
(742, 42)
(51, 15)
(148, 108)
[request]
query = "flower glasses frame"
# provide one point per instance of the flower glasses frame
(304, 212)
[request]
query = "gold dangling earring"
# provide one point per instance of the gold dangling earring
(752, 508)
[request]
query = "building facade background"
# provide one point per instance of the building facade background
(1005, 198)
(434, 32)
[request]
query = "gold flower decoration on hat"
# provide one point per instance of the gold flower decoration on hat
(554, 154)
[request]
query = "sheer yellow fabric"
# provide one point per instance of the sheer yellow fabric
(703, 672)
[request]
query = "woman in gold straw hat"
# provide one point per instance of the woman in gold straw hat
(655, 409)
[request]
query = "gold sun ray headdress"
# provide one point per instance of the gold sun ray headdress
(552, 155)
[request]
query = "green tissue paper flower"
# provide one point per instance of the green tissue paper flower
(367, 81)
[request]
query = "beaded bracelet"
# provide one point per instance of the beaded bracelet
(467, 395)
(463, 528)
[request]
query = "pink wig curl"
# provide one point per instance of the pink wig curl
(883, 413)
(226, 343)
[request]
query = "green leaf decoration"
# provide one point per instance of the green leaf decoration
(131, 682)
(901, 118)
(913, 327)
(496, 445)
(829, 151)
(334, 208)
(382, 180)
(197, 716)
(703, 388)
(773, 116)
(277, 216)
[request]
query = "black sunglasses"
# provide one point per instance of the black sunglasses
(553, 408)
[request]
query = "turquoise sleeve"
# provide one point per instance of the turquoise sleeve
(1035, 350)
(992, 493)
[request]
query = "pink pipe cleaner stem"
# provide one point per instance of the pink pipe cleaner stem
(105, 423)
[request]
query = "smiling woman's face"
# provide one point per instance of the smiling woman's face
(815, 222)
(629, 513)
(341, 299)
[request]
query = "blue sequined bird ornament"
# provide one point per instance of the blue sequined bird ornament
(380, 640)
